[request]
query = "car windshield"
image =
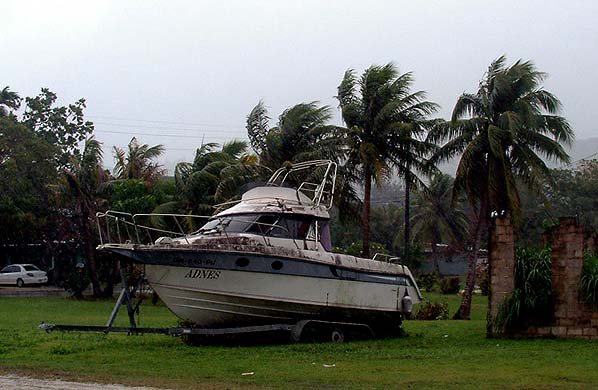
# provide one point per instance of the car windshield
(30, 268)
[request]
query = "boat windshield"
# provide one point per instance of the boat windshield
(272, 225)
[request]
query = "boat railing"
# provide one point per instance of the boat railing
(386, 258)
(116, 227)
(321, 193)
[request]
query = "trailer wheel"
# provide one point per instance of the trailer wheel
(337, 336)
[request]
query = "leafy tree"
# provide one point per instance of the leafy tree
(137, 162)
(501, 133)
(135, 196)
(27, 171)
(62, 126)
(575, 192)
(9, 100)
(81, 187)
(384, 119)
(570, 191)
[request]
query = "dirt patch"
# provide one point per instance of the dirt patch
(18, 382)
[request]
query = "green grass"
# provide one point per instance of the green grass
(436, 354)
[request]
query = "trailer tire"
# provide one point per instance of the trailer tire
(337, 336)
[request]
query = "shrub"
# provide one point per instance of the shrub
(433, 311)
(77, 281)
(375, 247)
(588, 283)
(427, 281)
(450, 285)
(531, 302)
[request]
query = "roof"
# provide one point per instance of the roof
(270, 199)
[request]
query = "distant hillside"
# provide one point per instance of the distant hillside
(586, 148)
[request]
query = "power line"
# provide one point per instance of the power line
(166, 127)
(157, 135)
(161, 121)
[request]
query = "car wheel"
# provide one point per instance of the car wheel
(20, 283)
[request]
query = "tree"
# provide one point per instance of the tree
(64, 126)
(214, 176)
(302, 133)
(436, 219)
(27, 171)
(9, 100)
(137, 162)
(501, 132)
(82, 185)
(384, 119)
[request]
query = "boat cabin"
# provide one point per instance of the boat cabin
(275, 213)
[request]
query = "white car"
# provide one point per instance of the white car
(22, 274)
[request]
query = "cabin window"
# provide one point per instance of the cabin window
(263, 224)
(296, 227)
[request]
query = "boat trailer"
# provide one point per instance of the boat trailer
(303, 330)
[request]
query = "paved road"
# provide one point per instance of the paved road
(17, 382)
(41, 291)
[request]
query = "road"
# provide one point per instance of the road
(40, 291)
(17, 382)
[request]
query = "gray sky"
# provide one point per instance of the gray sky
(196, 68)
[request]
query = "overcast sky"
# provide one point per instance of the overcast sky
(196, 68)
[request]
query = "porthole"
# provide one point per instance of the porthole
(242, 262)
(277, 265)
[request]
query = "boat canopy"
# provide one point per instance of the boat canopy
(278, 200)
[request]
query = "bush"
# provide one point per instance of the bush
(433, 311)
(427, 281)
(450, 285)
(531, 302)
(375, 247)
(588, 283)
(77, 281)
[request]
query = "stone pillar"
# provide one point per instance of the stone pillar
(567, 261)
(501, 265)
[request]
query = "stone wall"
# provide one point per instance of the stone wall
(572, 318)
(501, 266)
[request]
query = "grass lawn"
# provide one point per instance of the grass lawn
(436, 354)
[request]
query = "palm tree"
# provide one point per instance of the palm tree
(384, 120)
(8, 100)
(501, 132)
(302, 133)
(435, 219)
(214, 176)
(138, 161)
(82, 185)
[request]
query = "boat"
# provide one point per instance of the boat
(265, 259)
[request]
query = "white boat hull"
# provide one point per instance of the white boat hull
(212, 297)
